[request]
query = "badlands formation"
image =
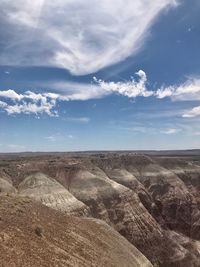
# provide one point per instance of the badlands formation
(100, 209)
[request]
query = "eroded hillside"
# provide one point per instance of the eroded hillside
(153, 201)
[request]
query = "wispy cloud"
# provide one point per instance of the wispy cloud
(59, 137)
(170, 131)
(78, 119)
(148, 129)
(46, 102)
(98, 34)
(51, 138)
(187, 91)
(39, 103)
(194, 112)
(76, 91)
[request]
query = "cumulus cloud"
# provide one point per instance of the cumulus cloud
(132, 88)
(81, 36)
(28, 103)
(46, 102)
(11, 94)
(28, 108)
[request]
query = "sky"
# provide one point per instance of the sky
(99, 75)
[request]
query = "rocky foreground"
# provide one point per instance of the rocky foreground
(152, 201)
(34, 235)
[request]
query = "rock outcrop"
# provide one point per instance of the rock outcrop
(52, 194)
(6, 185)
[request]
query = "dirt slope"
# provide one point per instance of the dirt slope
(33, 235)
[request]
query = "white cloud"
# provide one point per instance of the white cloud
(189, 90)
(51, 138)
(76, 91)
(46, 102)
(3, 104)
(11, 94)
(39, 103)
(57, 137)
(170, 131)
(78, 119)
(81, 36)
(148, 129)
(130, 88)
(165, 92)
(194, 112)
(28, 103)
(28, 108)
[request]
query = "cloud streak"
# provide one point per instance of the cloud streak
(83, 120)
(187, 91)
(81, 36)
(46, 103)
(194, 112)
(39, 103)
(170, 131)
(130, 88)
(31, 102)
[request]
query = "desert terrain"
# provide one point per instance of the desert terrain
(125, 208)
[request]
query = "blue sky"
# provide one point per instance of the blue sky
(99, 75)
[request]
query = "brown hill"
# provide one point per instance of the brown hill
(33, 235)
